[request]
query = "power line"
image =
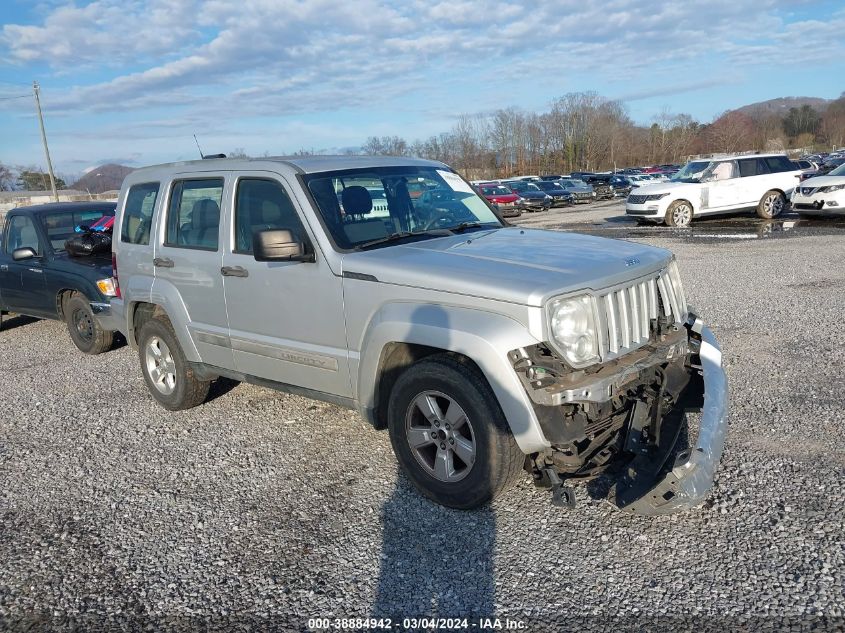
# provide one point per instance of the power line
(17, 97)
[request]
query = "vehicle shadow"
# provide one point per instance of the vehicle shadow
(435, 562)
(19, 320)
(221, 387)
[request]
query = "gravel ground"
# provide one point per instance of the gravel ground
(262, 510)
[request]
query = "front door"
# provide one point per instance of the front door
(723, 186)
(187, 264)
(285, 318)
(23, 284)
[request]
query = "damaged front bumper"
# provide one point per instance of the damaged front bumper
(632, 412)
(688, 481)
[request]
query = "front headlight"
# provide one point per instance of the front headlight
(656, 196)
(831, 188)
(573, 331)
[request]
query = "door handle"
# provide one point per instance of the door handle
(234, 271)
(163, 262)
(35, 270)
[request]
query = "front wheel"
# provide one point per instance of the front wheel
(83, 328)
(679, 214)
(169, 377)
(450, 435)
(771, 205)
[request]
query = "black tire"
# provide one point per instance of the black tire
(771, 205)
(83, 328)
(498, 460)
(187, 390)
(679, 214)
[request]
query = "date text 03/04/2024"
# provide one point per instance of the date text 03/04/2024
(409, 623)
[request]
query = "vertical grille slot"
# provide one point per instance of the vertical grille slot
(629, 311)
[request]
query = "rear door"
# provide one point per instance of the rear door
(23, 285)
(187, 262)
(134, 233)
(285, 318)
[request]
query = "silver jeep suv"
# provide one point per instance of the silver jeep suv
(485, 349)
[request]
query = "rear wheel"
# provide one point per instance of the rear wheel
(169, 377)
(679, 214)
(450, 435)
(83, 328)
(771, 205)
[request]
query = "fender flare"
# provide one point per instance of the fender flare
(484, 337)
(165, 295)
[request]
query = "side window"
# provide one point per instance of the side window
(193, 218)
(138, 213)
(260, 205)
(22, 234)
(782, 163)
(748, 167)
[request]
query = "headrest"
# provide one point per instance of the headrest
(270, 212)
(205, 213)
(356, 200)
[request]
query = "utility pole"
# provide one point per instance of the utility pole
(35, 89)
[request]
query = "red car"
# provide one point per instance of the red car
(500, 197)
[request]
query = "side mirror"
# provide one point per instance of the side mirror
(279, 245)
(26, 252)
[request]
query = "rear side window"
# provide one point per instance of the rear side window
(261, 205)
(138, 213)
(781, 163)
(193, 218)
(748, 167)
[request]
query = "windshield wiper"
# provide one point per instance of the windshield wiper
(401, 235)
(463, 226)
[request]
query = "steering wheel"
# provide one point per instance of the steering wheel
(440, 215)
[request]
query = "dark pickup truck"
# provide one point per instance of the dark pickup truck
(39, 279)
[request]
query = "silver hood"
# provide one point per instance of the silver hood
(523, 266)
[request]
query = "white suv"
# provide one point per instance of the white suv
(711, 186)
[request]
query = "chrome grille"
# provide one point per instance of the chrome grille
(637, 199)
(627, 312)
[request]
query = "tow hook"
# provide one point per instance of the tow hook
(562, 496)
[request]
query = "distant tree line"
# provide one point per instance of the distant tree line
(579, 131)
(585, 131)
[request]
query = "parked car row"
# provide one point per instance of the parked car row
(389, 286)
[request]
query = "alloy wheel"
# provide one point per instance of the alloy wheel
(773, 205)
(160, 365)
(440, 436)
(682, 215)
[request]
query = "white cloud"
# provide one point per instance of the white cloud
(205, 62)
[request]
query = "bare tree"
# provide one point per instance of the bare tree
(7, 179)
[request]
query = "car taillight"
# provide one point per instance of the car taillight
(114, 276)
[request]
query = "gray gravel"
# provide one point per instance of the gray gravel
(260, 509)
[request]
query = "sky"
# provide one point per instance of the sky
(131, 81)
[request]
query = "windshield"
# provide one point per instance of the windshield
(547, 186)
(839, 171)
(692, 171)
(364, 205)
(496, 191)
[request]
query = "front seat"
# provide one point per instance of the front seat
(205, 224)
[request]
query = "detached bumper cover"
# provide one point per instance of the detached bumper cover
(690, 478)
